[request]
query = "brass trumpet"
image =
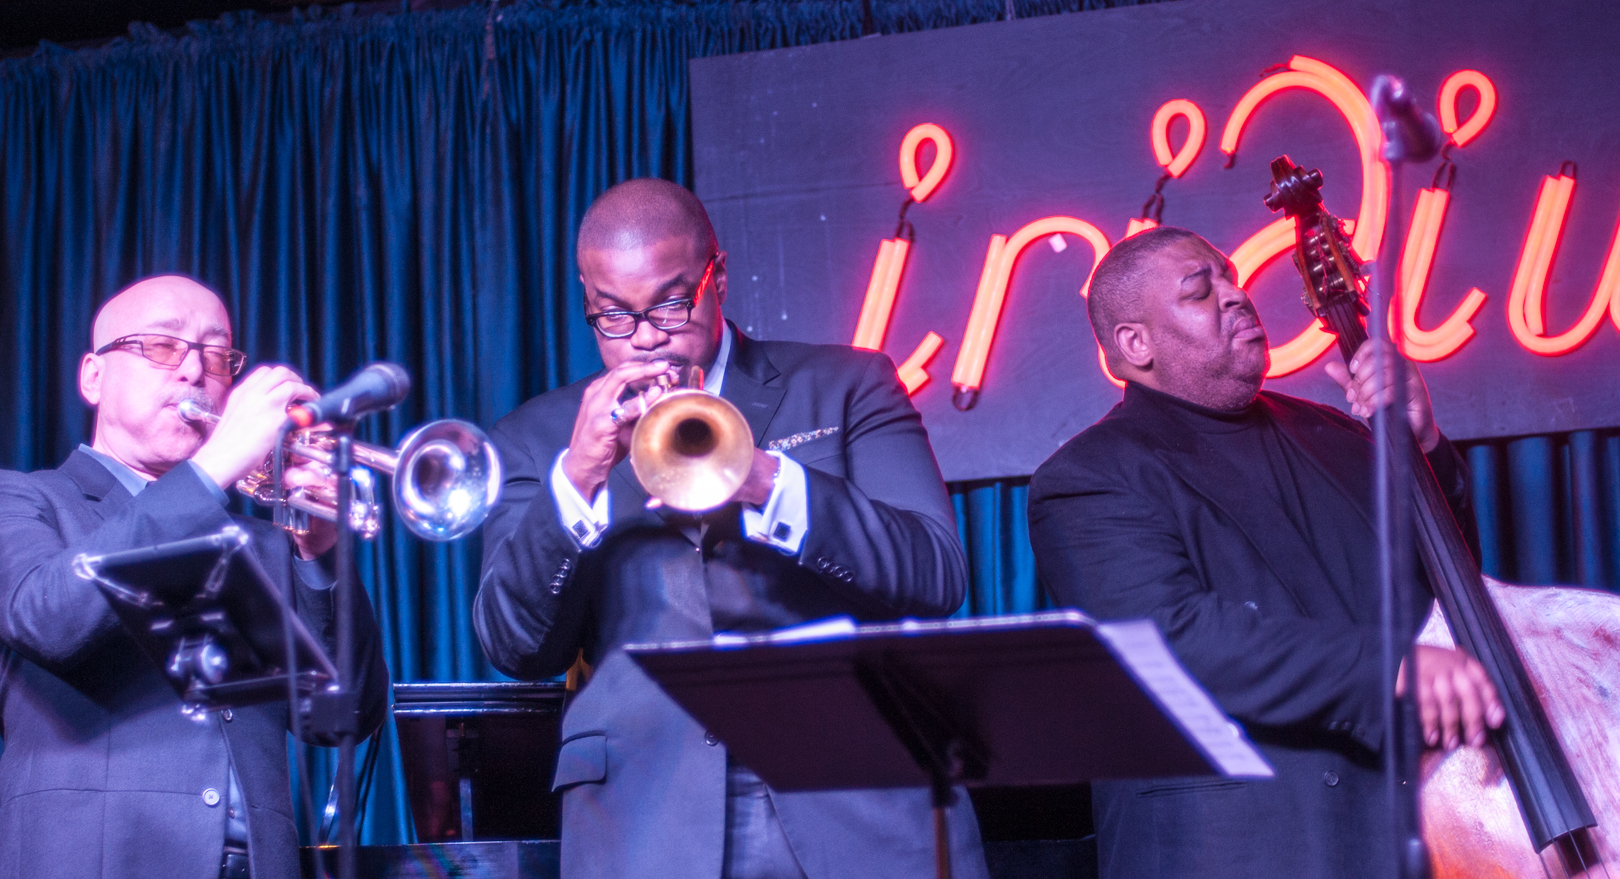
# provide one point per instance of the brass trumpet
(447, 478)
(692, 450)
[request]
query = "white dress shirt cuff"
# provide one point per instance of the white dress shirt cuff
(583, 521)
(786, 517)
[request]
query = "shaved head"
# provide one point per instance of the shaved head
(136, 399)
(1118, 286)
(640, 213)
(1169, 314)
(159, 304)
(648, 243)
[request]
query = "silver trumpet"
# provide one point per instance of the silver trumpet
(447, 477)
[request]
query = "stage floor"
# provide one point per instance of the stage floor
(1017, 859)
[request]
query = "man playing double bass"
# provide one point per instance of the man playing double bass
(1240, 521)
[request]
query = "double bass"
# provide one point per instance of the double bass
(1542, 799)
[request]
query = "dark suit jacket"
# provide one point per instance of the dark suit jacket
(1131, 520)
(101, 775)
(644, 786)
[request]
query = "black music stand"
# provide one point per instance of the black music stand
(210, 618)
(1031, 699)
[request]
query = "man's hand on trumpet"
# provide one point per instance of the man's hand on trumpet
(321, 534)
(602, 429)
(246, 435)
(756, 489)
(249, 423)
(607, 418)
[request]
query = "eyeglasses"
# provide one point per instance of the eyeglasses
(221, 360)
(665, 315)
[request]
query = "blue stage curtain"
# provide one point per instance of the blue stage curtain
(402, 187)
(1548, 510)
(407, 187)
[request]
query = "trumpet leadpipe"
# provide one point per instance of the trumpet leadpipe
(447, 476)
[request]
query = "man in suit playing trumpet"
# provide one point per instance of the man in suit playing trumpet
(102, 776)
(843, 511)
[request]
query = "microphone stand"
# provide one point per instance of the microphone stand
(1392, 436)
(336, 712)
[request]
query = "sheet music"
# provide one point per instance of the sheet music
(818, 630)
(1138, 645)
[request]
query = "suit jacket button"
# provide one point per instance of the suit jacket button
(210, 797)
(711, 739)
(227, 715)
(1330, 778)
(1251, 605)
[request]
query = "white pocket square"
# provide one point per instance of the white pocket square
(798, 439)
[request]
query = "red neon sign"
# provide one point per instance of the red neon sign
(1526, 300)
(880, 293)
(1451, 90)
(992, 293)
(1526, 311)
(912, 373)
(1177, 163)
(890, 264)
(1313, 75)
(1417, 258)
(1428, 216)
(923, 186)
(1139, 224)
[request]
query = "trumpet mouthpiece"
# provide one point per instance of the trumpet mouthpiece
(191, 410)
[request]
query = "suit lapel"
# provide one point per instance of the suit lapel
(97, 484)
(751, 385)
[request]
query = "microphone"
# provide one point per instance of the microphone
(1409, 133)
(375, 388)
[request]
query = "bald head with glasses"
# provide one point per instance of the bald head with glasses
(167, 339)
(655, 278)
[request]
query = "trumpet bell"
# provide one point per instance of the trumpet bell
(447, 479)
(692, 450)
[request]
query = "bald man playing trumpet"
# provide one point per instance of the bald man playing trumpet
(101, 775)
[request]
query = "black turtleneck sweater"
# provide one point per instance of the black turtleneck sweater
(1251, 443)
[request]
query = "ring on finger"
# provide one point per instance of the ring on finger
(617, 415)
